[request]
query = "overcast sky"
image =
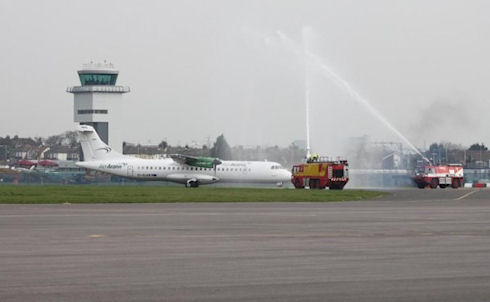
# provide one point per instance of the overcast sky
(201, 68)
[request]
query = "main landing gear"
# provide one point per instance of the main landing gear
(192, 184)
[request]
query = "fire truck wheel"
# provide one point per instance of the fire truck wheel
(421, 185)
(297, 185)
(442, 186)
(455, 183)
(313, 184)
(434, 183)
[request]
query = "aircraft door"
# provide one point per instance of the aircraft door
(130, 170)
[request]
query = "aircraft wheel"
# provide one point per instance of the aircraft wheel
(192, 184)
(442, 186)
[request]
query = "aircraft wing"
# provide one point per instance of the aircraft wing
(196, 161)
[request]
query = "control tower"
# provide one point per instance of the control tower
(98, 102)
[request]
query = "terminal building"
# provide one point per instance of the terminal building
(98, 102)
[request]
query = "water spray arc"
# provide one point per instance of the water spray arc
(316, 60)
(307, 104)
(307, 93)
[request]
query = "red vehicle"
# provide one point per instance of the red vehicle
(442, 176)
(319, 173)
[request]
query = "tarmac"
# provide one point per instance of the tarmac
(414, 245)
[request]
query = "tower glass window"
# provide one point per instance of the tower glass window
(97, 79)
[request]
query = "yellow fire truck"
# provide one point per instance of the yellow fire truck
(321, 172)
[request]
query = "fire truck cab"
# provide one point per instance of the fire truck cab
(321, 172)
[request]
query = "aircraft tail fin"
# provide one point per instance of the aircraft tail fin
(93, 147)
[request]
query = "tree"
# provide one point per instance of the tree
(70, 138)
(163, 145)
(221, 149)
(38, 140)
(478, 147)
(53, 140)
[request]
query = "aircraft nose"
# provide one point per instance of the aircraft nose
(285, 175)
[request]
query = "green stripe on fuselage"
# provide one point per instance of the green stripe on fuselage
(201, 162)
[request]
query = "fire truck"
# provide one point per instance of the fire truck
(321, 172)
(442, 176)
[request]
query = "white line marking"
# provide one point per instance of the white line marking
(466, 195)
(279, 214)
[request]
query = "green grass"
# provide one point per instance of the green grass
(151, 194)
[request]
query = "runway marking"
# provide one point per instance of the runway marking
(159, 214)
(466, 195)
(96, 236)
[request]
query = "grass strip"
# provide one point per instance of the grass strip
(22, 194)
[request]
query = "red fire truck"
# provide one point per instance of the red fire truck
(442, 176)
(321, 172)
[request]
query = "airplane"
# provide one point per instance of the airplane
(191, 171)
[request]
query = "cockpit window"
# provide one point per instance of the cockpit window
(275, 167)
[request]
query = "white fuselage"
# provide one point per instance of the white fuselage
(101, 157)
(169, 170)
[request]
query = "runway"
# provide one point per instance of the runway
(414, 245)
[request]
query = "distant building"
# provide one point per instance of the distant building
(61, 152)
(98, 102)
(25, 148)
